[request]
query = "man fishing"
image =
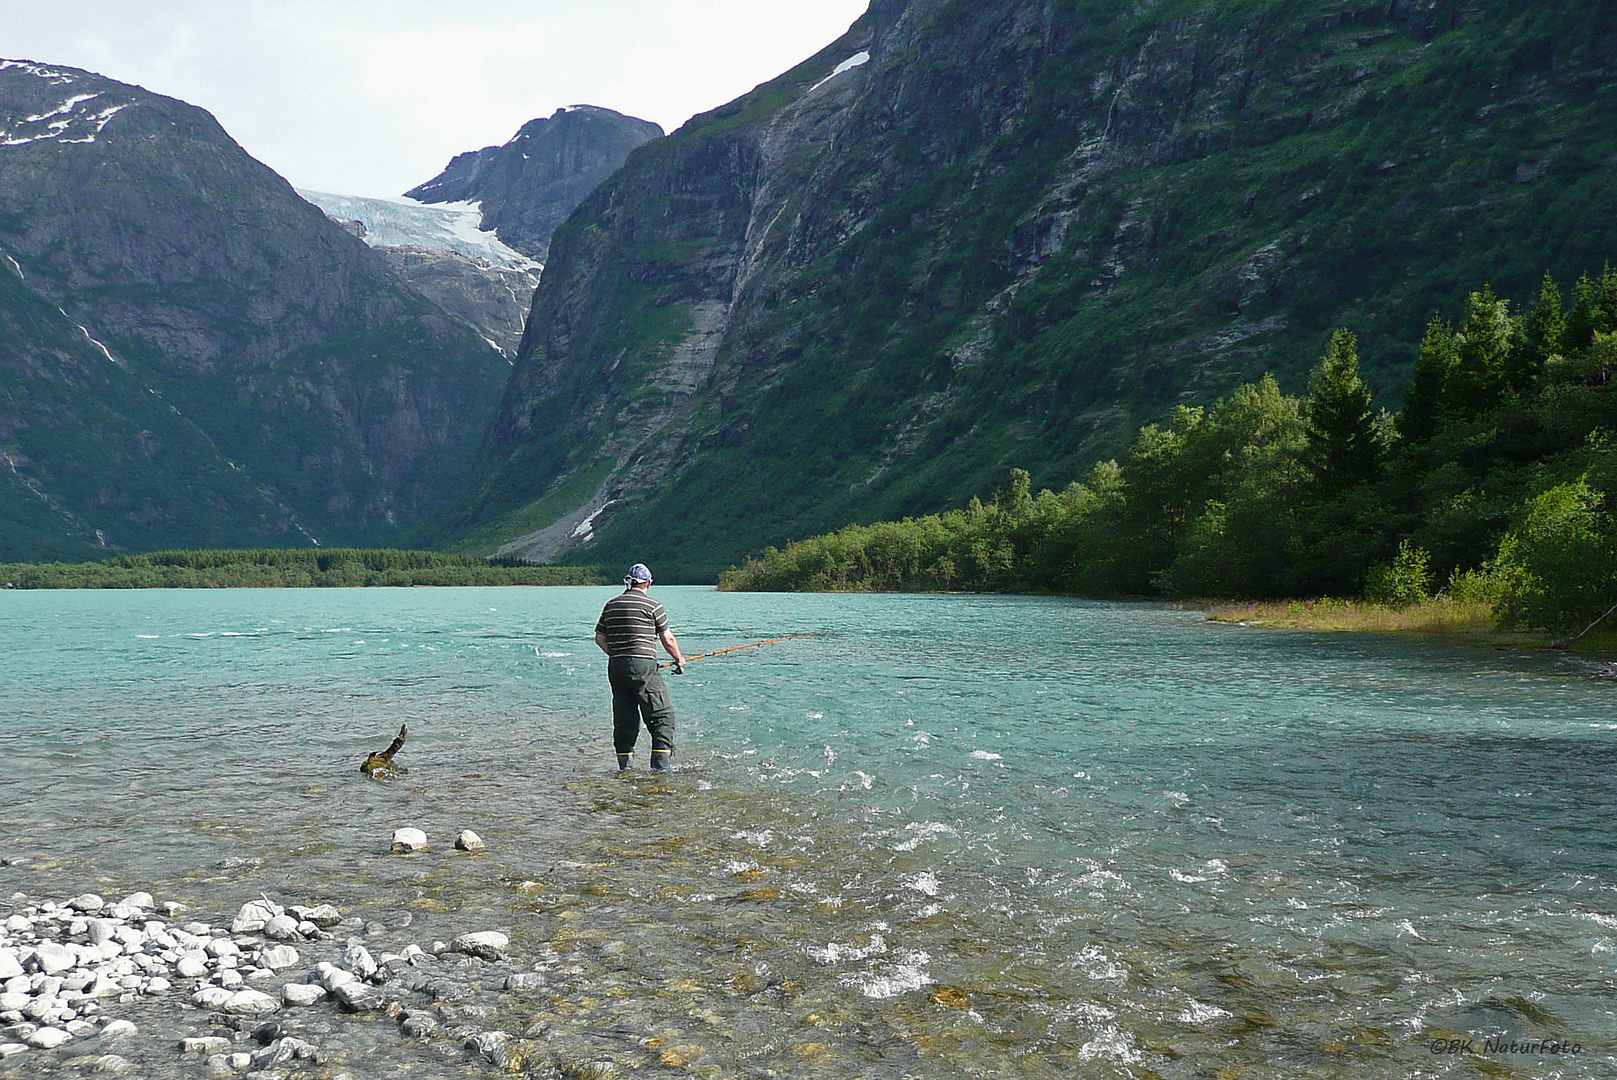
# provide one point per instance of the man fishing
(628, 631)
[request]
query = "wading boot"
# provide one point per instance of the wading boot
(660, 759)
(625, 762)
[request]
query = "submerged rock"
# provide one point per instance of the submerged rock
(407, 840)
(470, 841)
(485, 944)
(47, 1038)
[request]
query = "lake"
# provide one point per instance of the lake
(944, 836)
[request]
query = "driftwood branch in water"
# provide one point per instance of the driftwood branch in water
(1571, 641)
(381, 764)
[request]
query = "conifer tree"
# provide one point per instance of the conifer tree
(1417, 420)
(1541, 337)
(1486, 341)
(1343, 447)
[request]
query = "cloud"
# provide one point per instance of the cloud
(369, 97)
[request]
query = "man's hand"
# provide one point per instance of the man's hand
(679, 667)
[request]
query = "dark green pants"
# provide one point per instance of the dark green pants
(639, 693)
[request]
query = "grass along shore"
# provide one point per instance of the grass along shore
(1439, 616)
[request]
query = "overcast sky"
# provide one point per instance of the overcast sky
(371, 97)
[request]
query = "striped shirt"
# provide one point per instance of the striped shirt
(632, 623)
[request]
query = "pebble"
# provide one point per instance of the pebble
(141, 900)
(302, 993)
(254, 915)
(323, 915)
(409, 840)
(11, 1049)
(485, 945)
(211, 997)
(278, 958)
(281, 928)
(53, 958)
(117, 1029)
(241, 1062)
(470, 841)
(48, 1038)
(192, 966)
(356, 997)
(251, 1003)
(204, 1044)
(331, 976)
(89, 903)
(110, 1063)
(490, 1044)
(359, 960)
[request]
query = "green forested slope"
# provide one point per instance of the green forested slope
(1495, 483)
(1017, 233)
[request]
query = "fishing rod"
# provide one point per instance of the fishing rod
(738, 648)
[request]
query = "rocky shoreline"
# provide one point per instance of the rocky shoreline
(265, 994)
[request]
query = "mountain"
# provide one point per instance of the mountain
(529, 186)
(970, 236)
(193, 355)
(442, 253)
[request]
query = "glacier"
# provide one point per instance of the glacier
(407, 223)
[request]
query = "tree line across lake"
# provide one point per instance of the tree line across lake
(288, 568)
(1492, 485)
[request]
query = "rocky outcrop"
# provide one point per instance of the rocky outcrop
(970, 236)
(529, 186)
(196, 356)
(491, 299)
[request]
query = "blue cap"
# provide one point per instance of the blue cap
(638, 575)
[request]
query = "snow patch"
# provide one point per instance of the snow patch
(68, 119)
(62, 109)
(858, 59)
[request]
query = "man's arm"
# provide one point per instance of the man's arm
(672, 646)
(600, 639)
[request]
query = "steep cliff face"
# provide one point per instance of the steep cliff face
(195, 354)
(527, 187)
(974, 235)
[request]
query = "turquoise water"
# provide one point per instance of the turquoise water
(946, 836)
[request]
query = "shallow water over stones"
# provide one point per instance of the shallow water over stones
(953, 837)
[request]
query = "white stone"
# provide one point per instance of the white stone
(219, 947)
(241, 1062)
(204, 1044)
(111, 1064)
(409, 840)
(321, 915)
(141, 900)
(355, 997)
(192, 966)
(54, 958)
(212, 997)
(359, 960)
(158, 985)
(230, 978)
(251, 1003)
(109, 950)
(14, 1002)
(218, 1063)
(19, 924)
(253, 915)
(412, 951)
(79, 1028)
(89, 903)
(331, 976)
(486, 944)
(172, 908)
(130, 937)
(48, 1038)
(281, 928)
(470, 841)
(302, 993)
(11, 1049)
(279, 958)
(117, 1029)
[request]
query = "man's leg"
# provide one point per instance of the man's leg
(625, 710)
(657, 709)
